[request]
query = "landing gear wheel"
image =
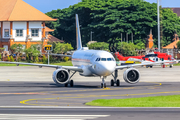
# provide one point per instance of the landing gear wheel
(104, 85)
(170, 66)
(65, 85)
(71, 83)
(151, 66)
(101, 85)
(117, 82)
(112, 82)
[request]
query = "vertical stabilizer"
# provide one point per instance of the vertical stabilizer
(78, 34)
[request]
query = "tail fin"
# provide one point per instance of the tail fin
(78, 34)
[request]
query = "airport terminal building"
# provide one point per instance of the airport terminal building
(20, 23)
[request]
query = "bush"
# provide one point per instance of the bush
(8, 58)
(11, 59)
(19, 59)
(27, 57)
(36, 59)
(66, 59)
(44, 59)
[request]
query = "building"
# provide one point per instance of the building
(20, 23)
(172, 47)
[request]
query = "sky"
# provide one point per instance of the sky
(49, 5)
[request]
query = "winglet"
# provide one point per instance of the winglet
(78, 34)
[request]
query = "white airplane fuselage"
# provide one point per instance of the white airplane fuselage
(101, 63)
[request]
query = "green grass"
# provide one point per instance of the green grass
(178, 64)
(157, 101)
(68, 63)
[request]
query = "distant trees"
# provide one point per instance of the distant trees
(109, 18)
(99, 46)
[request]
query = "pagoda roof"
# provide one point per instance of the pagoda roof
(18, 10)
(172, 45)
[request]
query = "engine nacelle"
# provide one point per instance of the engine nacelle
(60, 76)
(131, 75)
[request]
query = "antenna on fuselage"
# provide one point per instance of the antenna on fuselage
(78, 34)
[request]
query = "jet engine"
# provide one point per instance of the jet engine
(60, 76)
(131, 75)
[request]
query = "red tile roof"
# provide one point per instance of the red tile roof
(54, 39)
(172, 45)
(18, 10)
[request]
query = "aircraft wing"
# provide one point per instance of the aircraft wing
(73, 68)
(135, 65)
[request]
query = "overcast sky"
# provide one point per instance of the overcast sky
(48, 5)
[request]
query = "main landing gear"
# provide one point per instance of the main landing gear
(71, 82)
(115, 81)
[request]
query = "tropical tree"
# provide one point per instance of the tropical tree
(62, 47)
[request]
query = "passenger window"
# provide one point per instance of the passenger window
(103, 59)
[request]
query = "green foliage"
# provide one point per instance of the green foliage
(16, 49)
(99, 46)
(126, 49)
(18, 59)
(0, 57)
(27, 57)
(109, 18)
(11, 59)
(32, 52)
(44, 59)
(66, 59)
(178, 44)
(8, 58)
(36, 59)
(62, 47)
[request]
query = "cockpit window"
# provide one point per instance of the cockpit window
(103, 59)
(98, 59)
(108, 59)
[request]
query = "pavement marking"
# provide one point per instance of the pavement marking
(88, 96)
(48, 117)
(84, 90)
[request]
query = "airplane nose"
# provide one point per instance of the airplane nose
(106, 69)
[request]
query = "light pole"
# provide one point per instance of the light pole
(159, 47)
(91, 36)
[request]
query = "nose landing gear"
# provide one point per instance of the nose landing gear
(103, 84)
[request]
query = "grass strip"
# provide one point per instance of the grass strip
(157, 101)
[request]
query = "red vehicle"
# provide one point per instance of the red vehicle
(151, 57)
(128, 59)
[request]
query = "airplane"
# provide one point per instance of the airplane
(91, 63)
